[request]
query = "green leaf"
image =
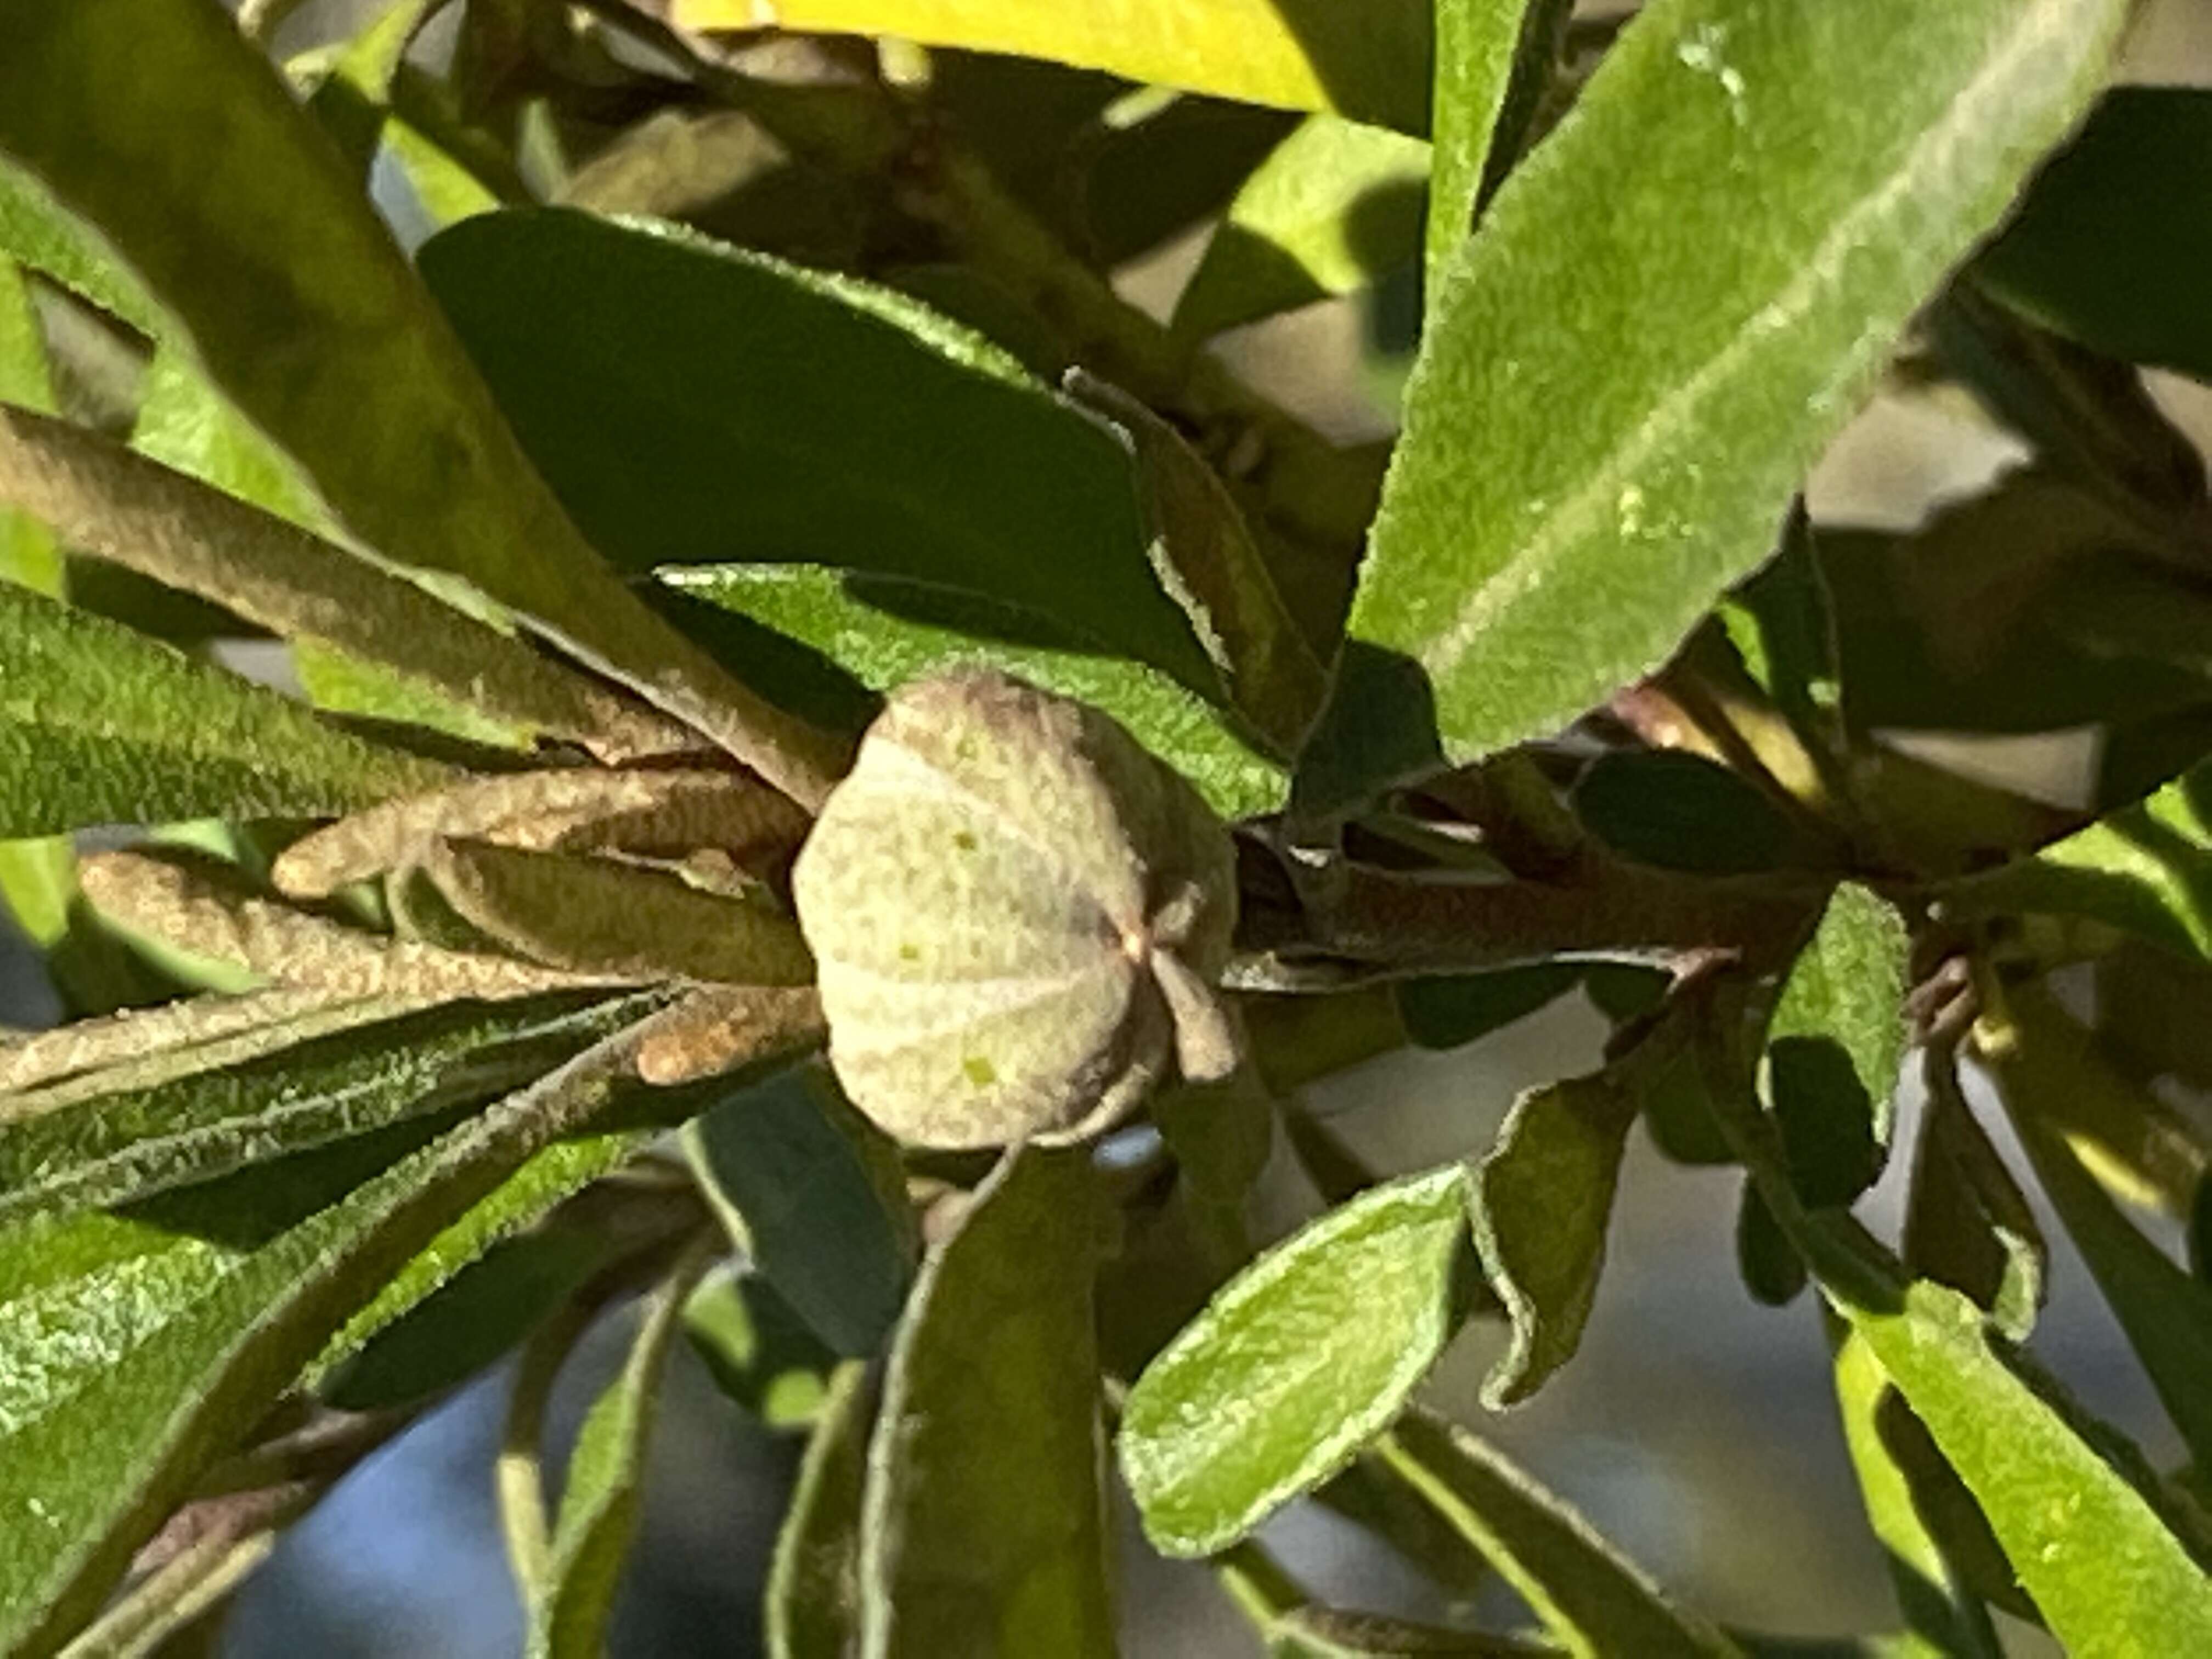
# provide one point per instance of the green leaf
(104, 500)
(1677, 811)
(1797, 184)
(1334, 206)
(1937, 1604)
(1298, 1363)
(606, 1480)
(1019, 918)
(2110, 242)
(814, 1579)
(1835, 1045)
(43, 236)
(1967, 1224)
(2043, 1064)
(1477, 44)
(1371, 65)
(864, 634)
(1591, 1601)
(149, 1341)
(1328, 1633)
(1542, 1201)
(814, 1195)
(65, 1147)
(2146, 870)
(860, 429)
(305, 314)
(984, 1527)
(98, 725)
(760, 1352)
(1446, 1010)
(592, 915)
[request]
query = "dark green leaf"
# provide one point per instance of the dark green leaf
(1298, 1363)
(1678, 811)
(1772, 1270)
(864, 634)
(98, 725)
(149, 1341)
(1967, 1224)
(1222, 1134)
(985, 1519)
(604, 1487)
(814, 1581)
(2111, 242)
(1328, 1633)
(861, 430)
(814, 1195)
(762, 1355)
(305, 314)
(1588, 1597)
(65, 1147)
(1371, 66)
(1795, 185)
(1334, 207)
(1543, 1199)
(1447, 1010)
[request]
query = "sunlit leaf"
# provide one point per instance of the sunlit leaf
(1018, 915)
(984, 1525)
(1820, 175)
(760, 1352)
(1298, 1363)
(1478, 43)
(814, 1579)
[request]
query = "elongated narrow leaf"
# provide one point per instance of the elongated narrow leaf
(1334, 206)
(1751, 201)
(606, 1486)
(814, 1195)
(104, 500)
(1298, 1363)
(740, 379)
(597, 916)
(113, 1146)
(761, 1353)
(814, 1580)
(2043, 1062)
(147, 1341)
(1967, 1224)
(2107, 245)
(98, 725)
(1543, 1199)
(2146, 870)
(1370, 64)
(1936, 1602)
(303, 312)
(883, 632)
(652, 814)
(1591, 1601)
(984, 1528)
(1834, 1046)
(1477, 43)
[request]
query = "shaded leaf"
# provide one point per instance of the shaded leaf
(1222, 1135)
(597, 916)
(65, 1148)
(2109, 243)
(1334, 206)
(1018, 915)
(1446, 1010)
(1967, 1224)
(232, 1287)
(814, 1578)
(1817, 185)
(105, 502)
(1210, 562)
(1542, 1201)
(984, 1528)
(815, 1197)
(1590, 1599)
(1330, 1633)
(1371, 66)
(98, 725)
(881, 632)
(650, 814)
(1296, 1363)
(305, 314)
(606, 1473)
(742, 372)
(1677, 811)
(760, 1352)
(1771, 1269)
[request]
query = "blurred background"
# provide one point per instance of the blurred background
(1696, 1428)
